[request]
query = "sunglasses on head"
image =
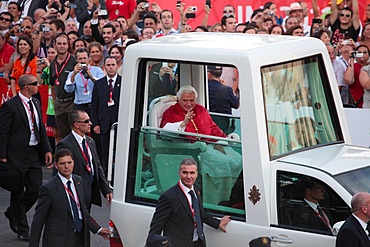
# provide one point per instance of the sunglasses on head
(84, 121)
(346, 15)
(31, 84)
(4, 19)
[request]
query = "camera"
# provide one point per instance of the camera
(84, 71)
(40, 61)
(271, 13)
(44, 29)
(345, 42)
(102, 12)
(21, 30)
(146, 5)
(72, 5)
(194, 8)
(356, 54)
(54, 5)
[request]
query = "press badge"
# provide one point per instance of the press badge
(111, 103)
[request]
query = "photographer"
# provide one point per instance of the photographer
(81, 80)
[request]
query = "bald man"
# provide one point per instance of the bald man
(354, 232)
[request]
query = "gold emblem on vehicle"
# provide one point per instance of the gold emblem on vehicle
(254, 195)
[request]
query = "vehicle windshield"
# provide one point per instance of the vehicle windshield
(356, 180)
(299, 106)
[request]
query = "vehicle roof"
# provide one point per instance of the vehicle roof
(333, 159)
(221, 43)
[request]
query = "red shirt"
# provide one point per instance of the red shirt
(202, 122)
(120, 8)
(356, 88)
(5, 55)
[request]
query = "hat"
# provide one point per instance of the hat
(156, 240)
(214, 67)
(260, 242)
(338, 2)
(293, 6)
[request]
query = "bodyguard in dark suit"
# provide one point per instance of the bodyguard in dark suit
(105, 105)
(86, 160)
(180, 213)
(310, 214)
(24, 143)
(61, 209)
(355, 231)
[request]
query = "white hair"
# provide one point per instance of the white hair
(186, 89)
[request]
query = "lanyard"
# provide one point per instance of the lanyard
(57, 73)
(85, 157)
(71, 195)
(325, 220)
(31, 114)
(190, 206)
(84, 80)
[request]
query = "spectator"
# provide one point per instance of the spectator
(276, 30)
(167, 24)
(345, 22)
(296, 10)
(96, 54)
(261, 31)
(352, 76)
(43, 74)
(217, 27)
(271, 7)
(291, 22)
(323, 34)
(87, 28)
(365, 82)
(117, 52)
(229, 10)
(120, 8)
(56, 26)
(123, 22)
(201, 29)
(295, 31)
(70, 26)
(267, 23)
(228, 23)
(118, 34)
(79, 44)
(15, 10)
(72, 36)
(150, 20)
(24, 64)
(339, 66)
(108, 36)
(63, 101)
(365, 35)
(316, 25)
(367, 14)
(240, 27)
(6, 52)
(250, 29)
(6, 20)
(85, 9)
(147, 33)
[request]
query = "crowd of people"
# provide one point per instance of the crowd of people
(72, 54)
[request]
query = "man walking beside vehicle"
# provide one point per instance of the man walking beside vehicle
(182, 203)
(355, 230)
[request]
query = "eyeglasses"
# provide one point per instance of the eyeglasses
(4, 19)
(228, 11)
(346, 15)
(84, 121)
(32, 84)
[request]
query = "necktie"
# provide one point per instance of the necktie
(110, 86)
(78, 221)
(198, 221)
(86, 152)
(323, 215)
(34, 124)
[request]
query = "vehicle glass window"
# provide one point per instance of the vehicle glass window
(308, 204)
(160, 148)
(299, 106)
(355, 181)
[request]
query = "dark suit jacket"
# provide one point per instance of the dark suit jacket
(351, 234)
(83, 15)
(53, 211)
(33, 6)
(15, 132)
(101, 113)
(305, 216)
(173, 216)
(92, 193)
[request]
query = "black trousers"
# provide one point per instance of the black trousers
(198, 243)
(21, 203)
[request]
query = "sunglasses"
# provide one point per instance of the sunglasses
(84, 121)
(32, 84)
(4, 19)
(228, 11)
(346, 15)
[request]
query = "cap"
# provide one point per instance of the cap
(260, 242)
(156, 240)
(338, 2)
(214, 67)
(293, 6)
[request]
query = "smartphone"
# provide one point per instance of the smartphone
(317, 21)
(194, 8)
(146, 5)
(190, 15)
(208, 2)
(178, 3)
(164, 64)
(102, 12)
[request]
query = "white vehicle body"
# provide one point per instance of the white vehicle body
(133, 204)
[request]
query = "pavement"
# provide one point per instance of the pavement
(9, 238)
